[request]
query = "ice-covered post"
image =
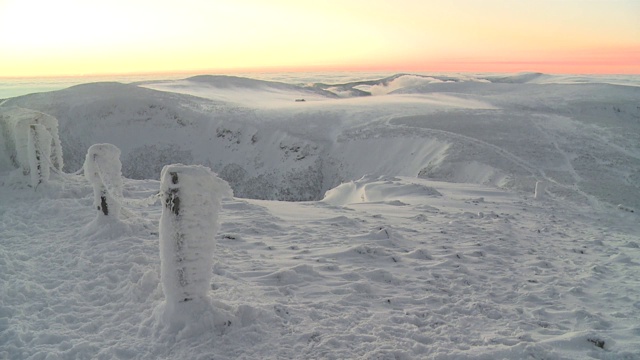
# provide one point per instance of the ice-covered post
(16, 124)
(191, 196)
(541, 186)
(39, 153)
(103, 169)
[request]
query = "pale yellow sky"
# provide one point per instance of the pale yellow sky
(76, 37)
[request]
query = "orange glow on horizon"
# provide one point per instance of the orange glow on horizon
(83, 38)
(607, 61)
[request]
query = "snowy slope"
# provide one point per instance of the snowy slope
(582, 138)
(417, 236)
(384, 268)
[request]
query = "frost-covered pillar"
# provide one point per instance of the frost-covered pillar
(191, 196)
(541, 186)
(19, 122)
(103, 169)
(39, 152)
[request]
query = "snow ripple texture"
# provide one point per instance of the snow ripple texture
(470, 272)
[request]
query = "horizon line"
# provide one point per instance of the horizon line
(306, 69)
(459, 66)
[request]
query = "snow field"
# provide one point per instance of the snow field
(464, 272)
(391, 263)
(577, 135)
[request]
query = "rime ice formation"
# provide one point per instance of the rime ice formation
(192, 199)
(102, 168)
(39, 153)
(15, 123)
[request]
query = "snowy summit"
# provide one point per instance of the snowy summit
(408, 217)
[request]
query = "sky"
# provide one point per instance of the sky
(96, 37)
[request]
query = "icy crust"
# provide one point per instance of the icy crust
(192, 198)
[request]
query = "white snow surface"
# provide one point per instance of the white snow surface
(509, 131)
(414, 233)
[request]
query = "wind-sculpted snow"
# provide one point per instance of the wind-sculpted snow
(504, 131)
(376, 190)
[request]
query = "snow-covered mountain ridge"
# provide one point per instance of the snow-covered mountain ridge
(582, 138)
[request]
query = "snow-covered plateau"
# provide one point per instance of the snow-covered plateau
(375, 219)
